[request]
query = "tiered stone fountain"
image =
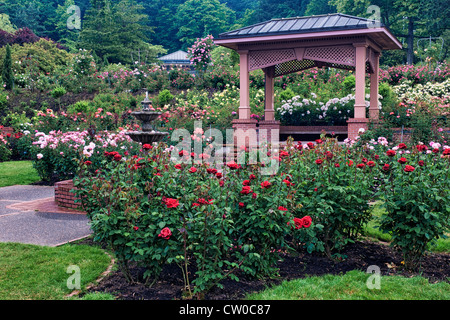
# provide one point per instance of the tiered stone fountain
(148, 134)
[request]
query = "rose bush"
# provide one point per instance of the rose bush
(167, 206)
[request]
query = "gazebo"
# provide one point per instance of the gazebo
(283, 46)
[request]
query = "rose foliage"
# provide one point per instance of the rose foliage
(217, 221)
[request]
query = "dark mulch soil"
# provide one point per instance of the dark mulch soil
(360, 255)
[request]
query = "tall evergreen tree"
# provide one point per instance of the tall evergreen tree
(7, 73)
(115, 30)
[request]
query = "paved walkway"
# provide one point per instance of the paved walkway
(28, 214)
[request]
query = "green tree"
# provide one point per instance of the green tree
(407, 19)
(270, 9)
(316, 7)
(199, 18)
(7, 73)
(115, 30)
(67, 34)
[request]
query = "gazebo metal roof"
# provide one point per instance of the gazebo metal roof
(177, 57)
(336, 24)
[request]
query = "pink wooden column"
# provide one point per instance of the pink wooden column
(244, 127)
(244, 103)
(269, 112)
(360, 75)
(360, 120)
(269, 128)
(374, 112)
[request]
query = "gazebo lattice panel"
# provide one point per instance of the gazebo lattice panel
(267, 58)
(293, 66)
(344, 55)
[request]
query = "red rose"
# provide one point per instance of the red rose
(349, 163)
(446, 152)
(246, 183)
(232, 165)
(319, 141)
(371, 164)
(402, 160)
(377, 157)
(88, 163)
(386, 167)
(178, 166)
(360, 165)
(171, 203)
(391, 153)
(337, 165)
(298, 223)
(288, 183)
(284, 154)
(183, 153)
(364, 160)
(195, 204)
(402, 146)
(193, 169)
(435, 150)
(315, 189)
(219, 175)
(147, 146)
(421, 147)
(319, 161)
(265, 184)
(252, 177)
(282, 208)
(136, 228)
(310, 145)
(203, 201)
(421, 163)
(165, 233)
(117, 157)
(254, 195)
(221, 183)
(329, 155)
(241, 204)
(211, 170)
(246, 190)
(409, 168)
(307, 221)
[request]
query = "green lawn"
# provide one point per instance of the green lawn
(352, 286)
(30, 272)
(17, 172)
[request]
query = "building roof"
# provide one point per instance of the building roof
(326, 25)
(177, 57)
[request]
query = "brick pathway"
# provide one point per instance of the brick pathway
(29, 214)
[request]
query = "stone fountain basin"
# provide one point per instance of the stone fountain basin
(147, 136)
(146, 116)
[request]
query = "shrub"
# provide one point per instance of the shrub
(164, 97)
(349, 84)
(5, 152)
(55, 155)
(58, 92)
(416, 196)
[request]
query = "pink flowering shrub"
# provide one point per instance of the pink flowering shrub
(200, 53)
(55, 155)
